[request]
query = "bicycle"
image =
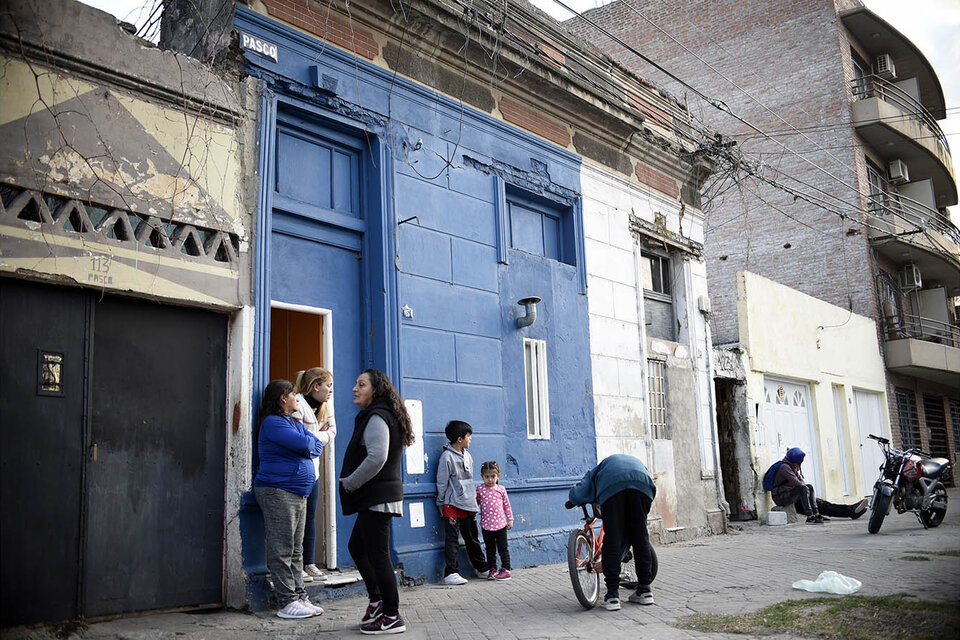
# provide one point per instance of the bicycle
(584, 553)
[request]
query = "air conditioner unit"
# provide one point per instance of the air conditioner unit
(910, 278)
(898, 171)
(885, 67)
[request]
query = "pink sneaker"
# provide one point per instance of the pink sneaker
(503, 574)
(492, 574)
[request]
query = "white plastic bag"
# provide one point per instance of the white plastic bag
(829, 582)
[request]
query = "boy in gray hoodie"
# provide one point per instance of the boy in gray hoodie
(457, 500)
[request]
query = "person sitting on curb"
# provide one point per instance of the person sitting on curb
(789, 488)
(625, 490)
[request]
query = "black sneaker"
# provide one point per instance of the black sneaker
(374, 611)
(815, 519)
(858, 509)
(384, 624)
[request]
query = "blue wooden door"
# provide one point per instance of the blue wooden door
(316, 249)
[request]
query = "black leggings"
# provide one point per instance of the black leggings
(625, 522)
(497, 541)
(370, 548)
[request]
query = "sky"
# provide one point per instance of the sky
(932, 25)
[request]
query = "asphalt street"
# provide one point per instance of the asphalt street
(749, 568)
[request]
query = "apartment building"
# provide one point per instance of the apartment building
(835, 180)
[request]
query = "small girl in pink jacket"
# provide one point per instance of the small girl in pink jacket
(496, 518)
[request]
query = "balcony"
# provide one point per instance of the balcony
(897, 126)
(919, 345)
(929, 350)
(905, 230)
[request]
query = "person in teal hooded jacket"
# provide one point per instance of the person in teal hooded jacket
(625, 491)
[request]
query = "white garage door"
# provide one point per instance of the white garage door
(869, 420)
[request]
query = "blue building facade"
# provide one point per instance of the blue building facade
(409, 225)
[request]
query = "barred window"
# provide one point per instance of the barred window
(657, 399)
(955, 422)
(538, 395)
(909, 421)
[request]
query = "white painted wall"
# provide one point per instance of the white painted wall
(616, 332)
(790, 335)
(618, 341)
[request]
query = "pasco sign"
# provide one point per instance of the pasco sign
(260, 47)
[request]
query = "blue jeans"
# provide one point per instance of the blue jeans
(310, 526)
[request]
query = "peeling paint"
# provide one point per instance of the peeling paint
(536, 179)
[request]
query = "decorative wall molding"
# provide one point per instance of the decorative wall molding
(70, 217)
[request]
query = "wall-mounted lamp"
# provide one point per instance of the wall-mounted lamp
(530, 311)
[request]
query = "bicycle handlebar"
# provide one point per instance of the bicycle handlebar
(586, 515)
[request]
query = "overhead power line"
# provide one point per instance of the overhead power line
(828, 197)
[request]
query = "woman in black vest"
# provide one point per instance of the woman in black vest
(371, 485)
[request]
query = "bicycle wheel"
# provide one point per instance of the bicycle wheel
(628, 575)
(580, 560)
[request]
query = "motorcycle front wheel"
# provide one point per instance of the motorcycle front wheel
(933, 516)
(881, 504)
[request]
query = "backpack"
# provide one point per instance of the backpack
(770, 475)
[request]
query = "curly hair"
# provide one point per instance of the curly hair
(384, 390)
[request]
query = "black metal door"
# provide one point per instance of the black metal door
(155, 493)
(43, 333)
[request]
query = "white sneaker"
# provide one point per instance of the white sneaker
(315, 573)
(454, 578)
(296, 610)
(318, 611)
(307, 577)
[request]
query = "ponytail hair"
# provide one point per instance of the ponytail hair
(490, 465)
(305, 379)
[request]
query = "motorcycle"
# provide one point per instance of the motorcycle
(910, 481)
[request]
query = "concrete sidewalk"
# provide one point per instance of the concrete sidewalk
(744, 571)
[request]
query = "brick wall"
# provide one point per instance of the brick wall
(790, 56)
(528, 118)
(313, 18)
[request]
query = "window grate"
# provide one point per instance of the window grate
(909, 422)
(537, 392)
(955, 422)
(936, 425)
(657, 399)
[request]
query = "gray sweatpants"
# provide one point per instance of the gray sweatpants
(284, 516)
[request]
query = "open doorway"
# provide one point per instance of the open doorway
(301, 337)
(733, 430)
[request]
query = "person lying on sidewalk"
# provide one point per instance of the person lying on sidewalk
(789, 488)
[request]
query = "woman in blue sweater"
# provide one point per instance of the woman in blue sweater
(283, 482)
